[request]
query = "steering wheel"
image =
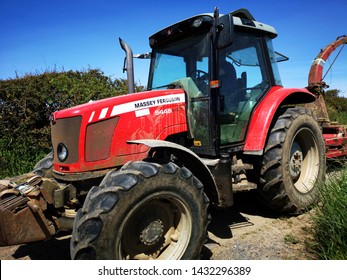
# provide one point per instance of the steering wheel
(199, 75)
(200, 78)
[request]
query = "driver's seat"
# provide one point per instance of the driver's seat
(227, 76)
(229, 84)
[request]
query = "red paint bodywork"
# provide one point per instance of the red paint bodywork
(153, 119)
(265, 111)
(335, 135)
(316, 71)
(143, 115)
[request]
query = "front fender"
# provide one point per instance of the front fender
(188, 158)
(265, 111)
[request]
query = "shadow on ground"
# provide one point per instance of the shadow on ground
(54, 249)
(223, 221)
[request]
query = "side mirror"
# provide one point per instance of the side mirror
(225, 31)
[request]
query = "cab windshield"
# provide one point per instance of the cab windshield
(185, 63)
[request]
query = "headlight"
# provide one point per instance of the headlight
(62, 152)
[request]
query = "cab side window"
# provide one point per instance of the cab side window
(243, 82)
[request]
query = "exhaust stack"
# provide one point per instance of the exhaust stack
(128, 65)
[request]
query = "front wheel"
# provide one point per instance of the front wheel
(144, 211)
(293, 163)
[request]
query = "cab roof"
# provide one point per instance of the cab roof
(242, 19)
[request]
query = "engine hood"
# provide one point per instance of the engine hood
(137, 102)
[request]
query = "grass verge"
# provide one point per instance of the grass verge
(330, 220)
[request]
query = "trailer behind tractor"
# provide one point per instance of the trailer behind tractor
(133, 176)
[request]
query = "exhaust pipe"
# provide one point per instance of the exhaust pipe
(128, 65)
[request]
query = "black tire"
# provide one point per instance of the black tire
(294, 162)
(143, 211)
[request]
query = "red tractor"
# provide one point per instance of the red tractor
(133, 176)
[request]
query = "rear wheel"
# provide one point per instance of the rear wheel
(293, 163)
(144, 211)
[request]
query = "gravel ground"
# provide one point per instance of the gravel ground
(255, 233)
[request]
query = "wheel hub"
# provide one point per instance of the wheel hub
(152, 233)
(295, 163)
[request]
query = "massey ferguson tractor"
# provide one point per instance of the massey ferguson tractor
(133, 176)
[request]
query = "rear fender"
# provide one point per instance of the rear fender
(264, 113)
(188, 158)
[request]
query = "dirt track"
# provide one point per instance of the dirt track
(246, 231)
(251, 232)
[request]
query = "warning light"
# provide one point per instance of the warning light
(214, 84)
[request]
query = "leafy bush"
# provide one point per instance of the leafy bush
(337, 106)
(27, 102)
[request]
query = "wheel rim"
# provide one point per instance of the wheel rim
(157, 227)
(304, 160)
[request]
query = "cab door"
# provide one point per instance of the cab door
(244, 80)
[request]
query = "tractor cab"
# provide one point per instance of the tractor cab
(225, 64)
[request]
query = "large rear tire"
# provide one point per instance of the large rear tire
(143, 211)
(293, 163)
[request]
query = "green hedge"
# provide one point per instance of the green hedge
(27, 102)
(337, 106)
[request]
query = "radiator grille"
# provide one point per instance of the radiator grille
(67, 131)
(99, 138)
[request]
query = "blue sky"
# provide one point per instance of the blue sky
(39, 35)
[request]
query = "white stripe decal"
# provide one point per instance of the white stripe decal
(319, 61)
(91, 116)
(103, 113)
(147, 103)
(142, 112)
